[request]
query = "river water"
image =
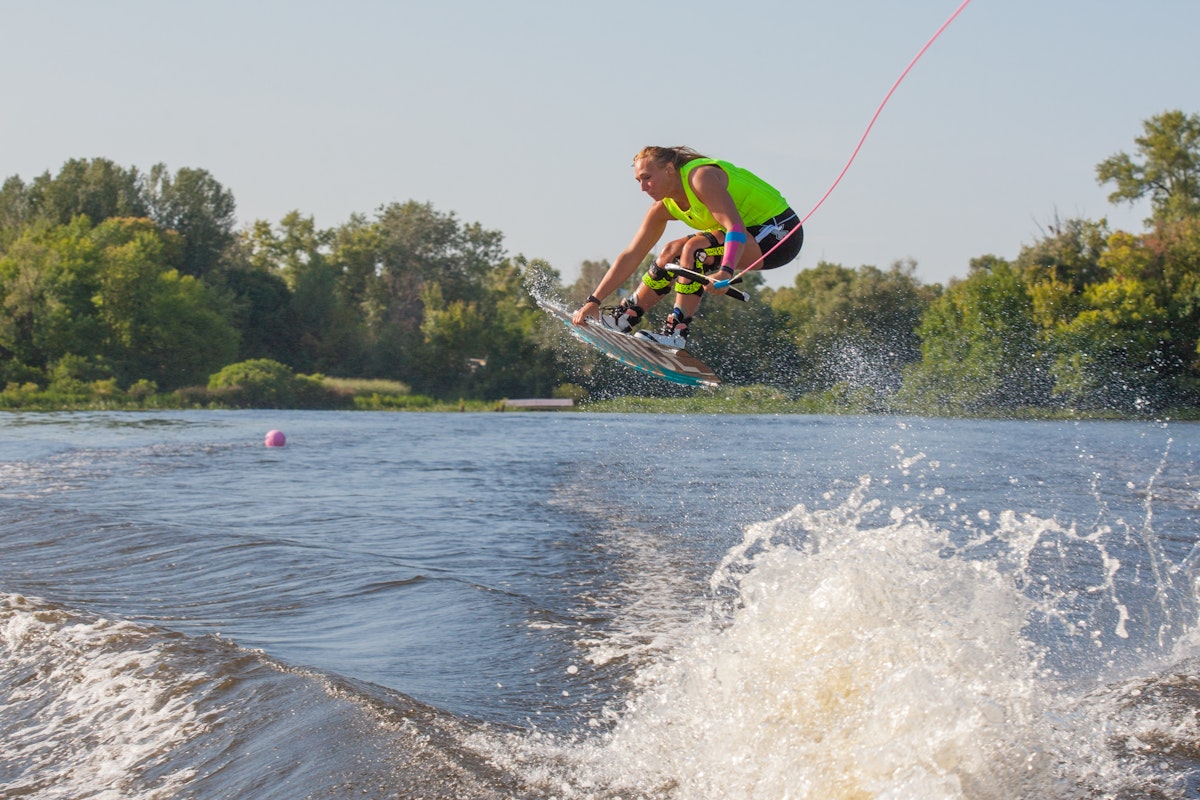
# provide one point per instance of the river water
(577, 605)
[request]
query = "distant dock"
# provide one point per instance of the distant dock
(541, 404)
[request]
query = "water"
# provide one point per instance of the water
(596, 606)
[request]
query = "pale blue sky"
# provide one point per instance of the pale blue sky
(524, 115)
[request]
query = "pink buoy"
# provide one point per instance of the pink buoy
(275, 439)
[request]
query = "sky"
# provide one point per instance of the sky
(524, 116)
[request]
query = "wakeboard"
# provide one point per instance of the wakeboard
(668, 363)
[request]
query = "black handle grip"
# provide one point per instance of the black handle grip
(736, 294)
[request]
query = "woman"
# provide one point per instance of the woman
(738, 214)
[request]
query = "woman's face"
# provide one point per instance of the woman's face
(656, 180)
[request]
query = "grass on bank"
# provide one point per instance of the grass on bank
(319, 392)
(250, 384)
(262, 383)
(267, 386)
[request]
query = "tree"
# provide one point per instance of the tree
(454, 336)
(1168, 172)
(1117, 312)
(329, 335)
(1112, 354)
(107, 293)
(199, 208)
(15, 211)
(95, 188)
(420, 244)
(260, 307)
(158, 324)
(356, 248)
(518, 364)
(389, 263)
(855, 327)
(1069, 253)
(48, 278)
(980, 346)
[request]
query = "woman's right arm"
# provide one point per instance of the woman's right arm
(654, 224)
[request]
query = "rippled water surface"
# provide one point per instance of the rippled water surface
(596, 606)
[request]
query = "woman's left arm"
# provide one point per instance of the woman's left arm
(711, 185)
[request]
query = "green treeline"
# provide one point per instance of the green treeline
(123, 287)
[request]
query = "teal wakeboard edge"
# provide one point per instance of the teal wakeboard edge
(668, 364)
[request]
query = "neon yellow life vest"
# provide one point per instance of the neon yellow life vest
(756, 200)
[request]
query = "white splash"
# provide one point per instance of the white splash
(851, 653)
(861, 663)
(89, 707)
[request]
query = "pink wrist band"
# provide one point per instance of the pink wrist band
(734, 240)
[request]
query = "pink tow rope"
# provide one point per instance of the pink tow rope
(911, 64)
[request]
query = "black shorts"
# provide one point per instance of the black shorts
(772, 232)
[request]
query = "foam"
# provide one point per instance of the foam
(859, 665)
(88, 706)
(848, 659)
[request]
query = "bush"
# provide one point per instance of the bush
(142, 390)
(15, 372)
(263, 383)
(19, 395)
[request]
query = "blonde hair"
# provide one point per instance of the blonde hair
(678, 156)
